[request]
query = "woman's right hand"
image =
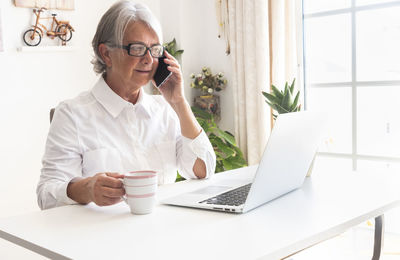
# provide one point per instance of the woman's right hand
(106, 189)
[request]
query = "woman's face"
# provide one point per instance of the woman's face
(132, 71)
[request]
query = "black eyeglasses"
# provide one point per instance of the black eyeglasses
(139, 49)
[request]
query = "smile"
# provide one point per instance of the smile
(143, 71)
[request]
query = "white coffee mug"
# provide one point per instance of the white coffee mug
(140, 191)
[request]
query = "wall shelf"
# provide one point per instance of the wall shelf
(46, 48)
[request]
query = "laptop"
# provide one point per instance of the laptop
(286, 160)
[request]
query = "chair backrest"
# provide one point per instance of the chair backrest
(51, 114)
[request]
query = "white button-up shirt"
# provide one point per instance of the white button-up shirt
(98, 131)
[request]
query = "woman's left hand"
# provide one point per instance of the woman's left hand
(172, 89)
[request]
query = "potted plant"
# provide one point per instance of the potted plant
(282, 101)
(170, 47)
(229, 156)
(208, 84)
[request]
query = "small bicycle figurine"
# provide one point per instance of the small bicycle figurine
(62, 29)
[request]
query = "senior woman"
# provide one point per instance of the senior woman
(116, 127)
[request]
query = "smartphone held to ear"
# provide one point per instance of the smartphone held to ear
(162, 73)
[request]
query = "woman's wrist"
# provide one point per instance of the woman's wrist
(180, 106)
(79, 191)
(190, 128)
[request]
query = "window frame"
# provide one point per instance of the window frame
(353, 84)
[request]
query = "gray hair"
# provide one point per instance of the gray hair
(112, 26)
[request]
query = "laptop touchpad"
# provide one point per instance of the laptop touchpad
(211, 190)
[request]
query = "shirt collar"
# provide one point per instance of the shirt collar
(144, 102)
(113, 103)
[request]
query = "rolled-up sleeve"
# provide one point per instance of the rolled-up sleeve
(62, 160)
(188, 150)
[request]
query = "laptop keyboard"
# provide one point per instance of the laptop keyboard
(234, 197)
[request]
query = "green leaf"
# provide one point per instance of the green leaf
(285, 104)
(285, 90)
(281, 110)
(212, 136)
(204, 124)
(236, 164)
(219, 167)
(277, 108)
(233, 163)
(179, 177)
(170, 44)
(270, 104)
(277, 92)
(220, 156)
(239, 156)
(241, 162)
(202, 121)
(198, 112)
(223, 147)
(227, 165)
(292, 86)
(271, 98)
(239, 153)
(296, 99)
(172, 48)
(226, 136)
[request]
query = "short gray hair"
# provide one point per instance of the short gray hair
(112, 26)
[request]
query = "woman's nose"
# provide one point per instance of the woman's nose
(147, 57)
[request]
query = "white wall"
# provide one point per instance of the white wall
(31, 84)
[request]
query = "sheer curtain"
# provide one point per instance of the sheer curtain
(286, 42)
(264, 47)
(248, 35)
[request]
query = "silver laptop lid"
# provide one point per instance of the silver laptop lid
(287, 157)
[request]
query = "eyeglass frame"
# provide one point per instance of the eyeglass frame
(128, 49)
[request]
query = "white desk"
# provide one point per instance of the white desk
(326, 205)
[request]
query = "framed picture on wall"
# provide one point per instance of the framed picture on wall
(49, 4)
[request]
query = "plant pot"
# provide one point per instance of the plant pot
(211, 104)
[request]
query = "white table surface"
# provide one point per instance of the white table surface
(326, 205)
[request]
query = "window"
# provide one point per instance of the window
(352, 71)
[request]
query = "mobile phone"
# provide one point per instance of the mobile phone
(162, 73)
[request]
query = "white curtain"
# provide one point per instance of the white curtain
(286, 46)
(248, 36)
(265, 43)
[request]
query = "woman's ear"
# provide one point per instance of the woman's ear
(105, 54)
